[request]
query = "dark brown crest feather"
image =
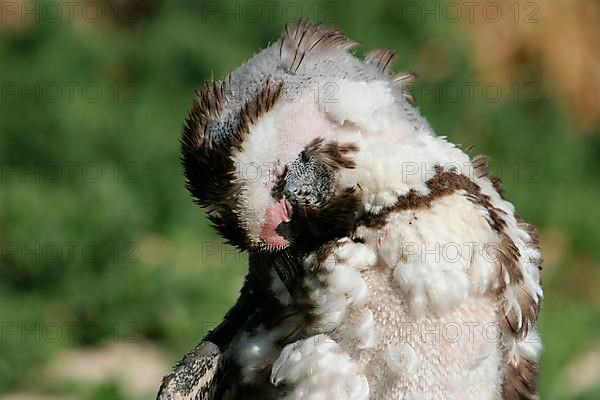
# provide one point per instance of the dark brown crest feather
(530, 229)
(404, 79)
(520, 380)
(480, 165)
(208, 166)
(332, 153)
(313, 147)
(522, 321)
(201, 157)
(508, 258)
(381, 59)
(206, 107)
(305, 36)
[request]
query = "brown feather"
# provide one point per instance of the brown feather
(332, 153)
(520, 380)
(305, 36)
(381, 59)
(208, 167)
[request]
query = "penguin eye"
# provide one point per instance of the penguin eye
(304, 157)
(308, 181)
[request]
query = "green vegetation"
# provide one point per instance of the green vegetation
(100, 241)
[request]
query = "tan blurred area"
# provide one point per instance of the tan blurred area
(560, 39)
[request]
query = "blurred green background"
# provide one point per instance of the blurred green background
(109, 273)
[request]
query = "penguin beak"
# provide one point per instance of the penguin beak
(278, 214)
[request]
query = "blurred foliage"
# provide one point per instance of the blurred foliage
(114, 243)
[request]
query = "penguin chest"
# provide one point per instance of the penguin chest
(403, 356)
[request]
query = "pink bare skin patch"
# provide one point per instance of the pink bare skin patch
(275, 215)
